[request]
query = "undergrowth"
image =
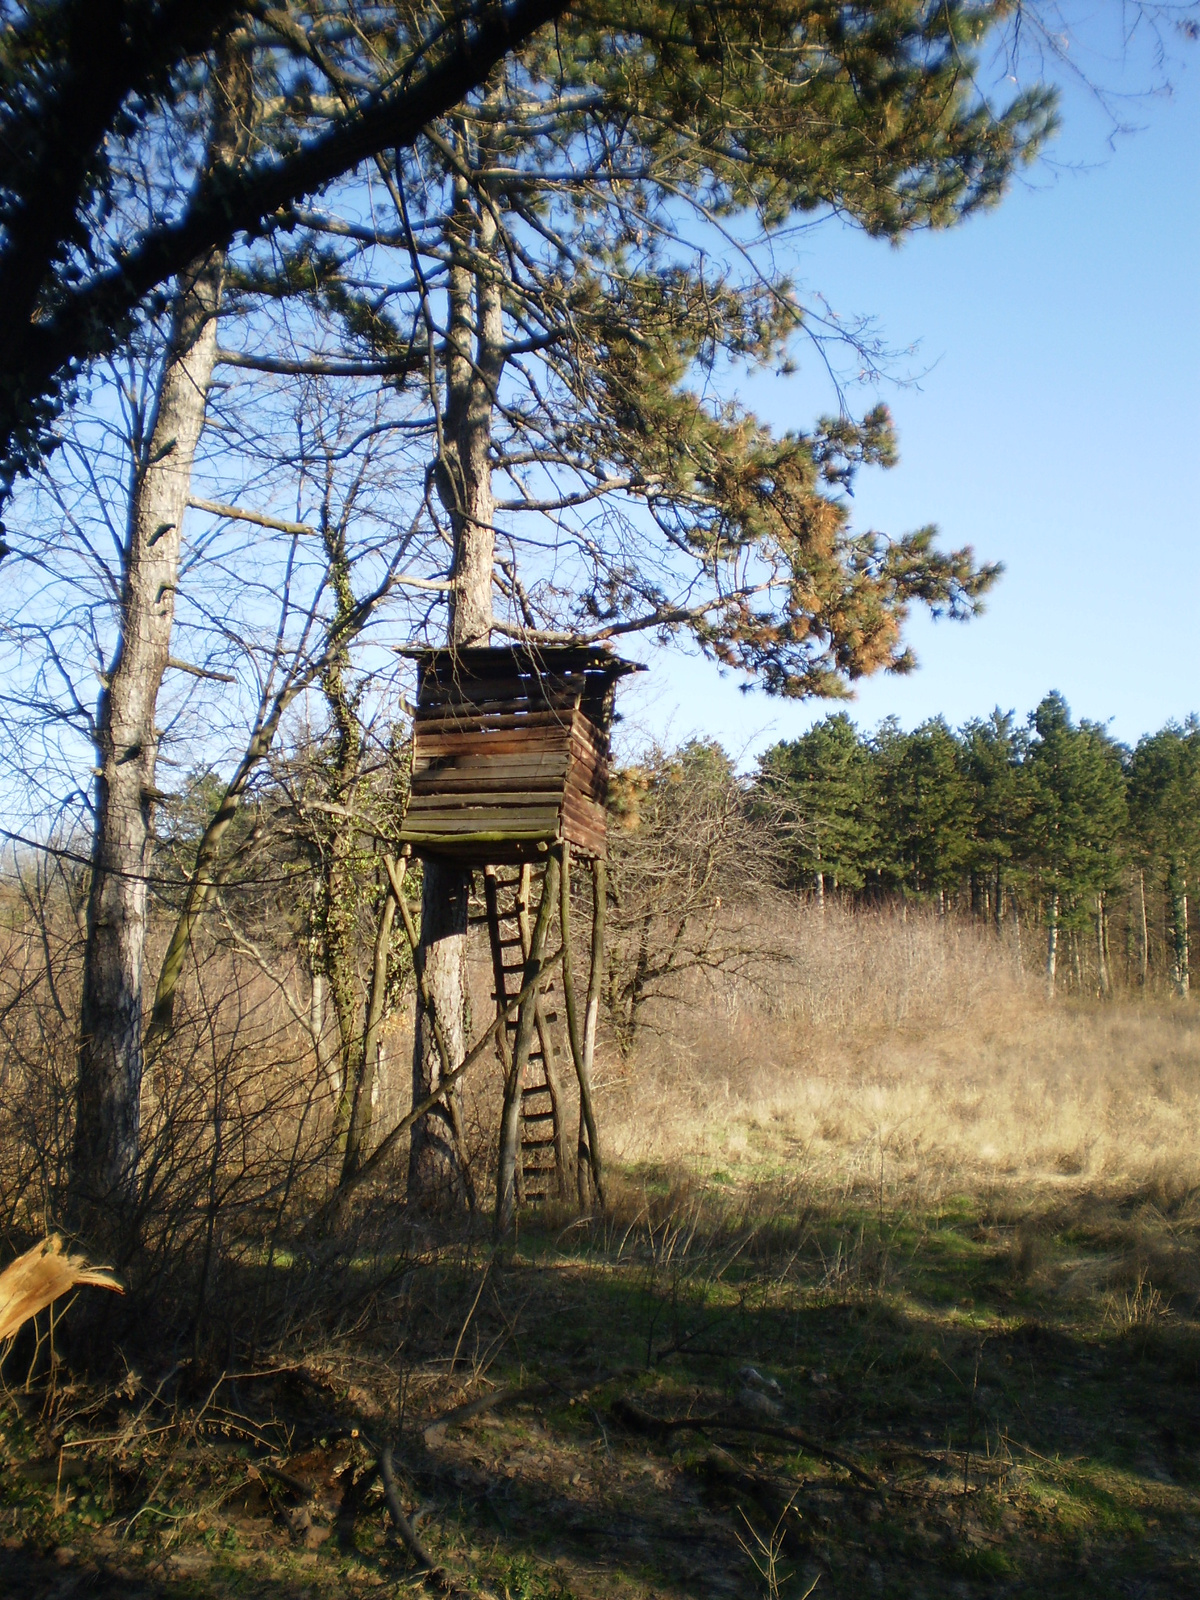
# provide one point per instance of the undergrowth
(719, 1389)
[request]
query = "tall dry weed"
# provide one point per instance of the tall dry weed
(913, 1046)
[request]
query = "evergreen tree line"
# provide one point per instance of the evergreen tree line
(1048, 822)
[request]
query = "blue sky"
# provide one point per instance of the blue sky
(1055, 425)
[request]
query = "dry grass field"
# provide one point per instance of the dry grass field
(898, 1294)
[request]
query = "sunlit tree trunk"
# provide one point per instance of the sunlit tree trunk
(1051, 945)
(1143, 931)
(1177, 896)
(1102, 947)
(464, 484)
(108, 1088)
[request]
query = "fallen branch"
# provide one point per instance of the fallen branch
(636, 1420)
(511, 1396)
(519, 1394)
(408, 1534)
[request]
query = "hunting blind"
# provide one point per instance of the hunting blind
(510, 753)
(510, 770)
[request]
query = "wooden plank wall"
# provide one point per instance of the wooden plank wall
(505, 767)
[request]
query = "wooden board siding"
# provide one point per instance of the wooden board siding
(506, 761)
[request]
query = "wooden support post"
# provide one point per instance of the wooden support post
(588, 1158)
(510, 1116)
(396, 871)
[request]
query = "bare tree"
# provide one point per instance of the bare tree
(110, 1050)
(692, 857)
(90, 77)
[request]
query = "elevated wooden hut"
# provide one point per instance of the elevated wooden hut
(510, 752)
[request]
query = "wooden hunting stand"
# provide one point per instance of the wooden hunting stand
(509, 776)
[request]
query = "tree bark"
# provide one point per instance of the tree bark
(359, 1127)
(435, 1181)
(1143, 930)
(1051, 945)
(111, 1060)
(1102, 947)
(1177, 894)
(463, 476)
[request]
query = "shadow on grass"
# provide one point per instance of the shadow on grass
(1023, 1389)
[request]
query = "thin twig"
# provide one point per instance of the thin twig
(639, 1421)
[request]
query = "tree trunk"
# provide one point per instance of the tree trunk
(1103, 983)
(329, 1066)
(206, 872)
(435, 1181)
(463, 476)
(999, 905)
(1143, 930)
(339, 844)
(1051, 945)
(108, 1089)
(362, 1104)
(1177, 895)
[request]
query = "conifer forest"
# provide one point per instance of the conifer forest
(451, 1141)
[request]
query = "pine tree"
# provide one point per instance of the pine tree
(821, 786)
(1164, 800)
(993, 749)
(925, 818)
(1074, 829)
(557, 235)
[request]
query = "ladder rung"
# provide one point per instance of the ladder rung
(506, 944)
(537, 1116)
(538, 1144)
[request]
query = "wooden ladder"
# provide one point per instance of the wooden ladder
(542, 1167)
